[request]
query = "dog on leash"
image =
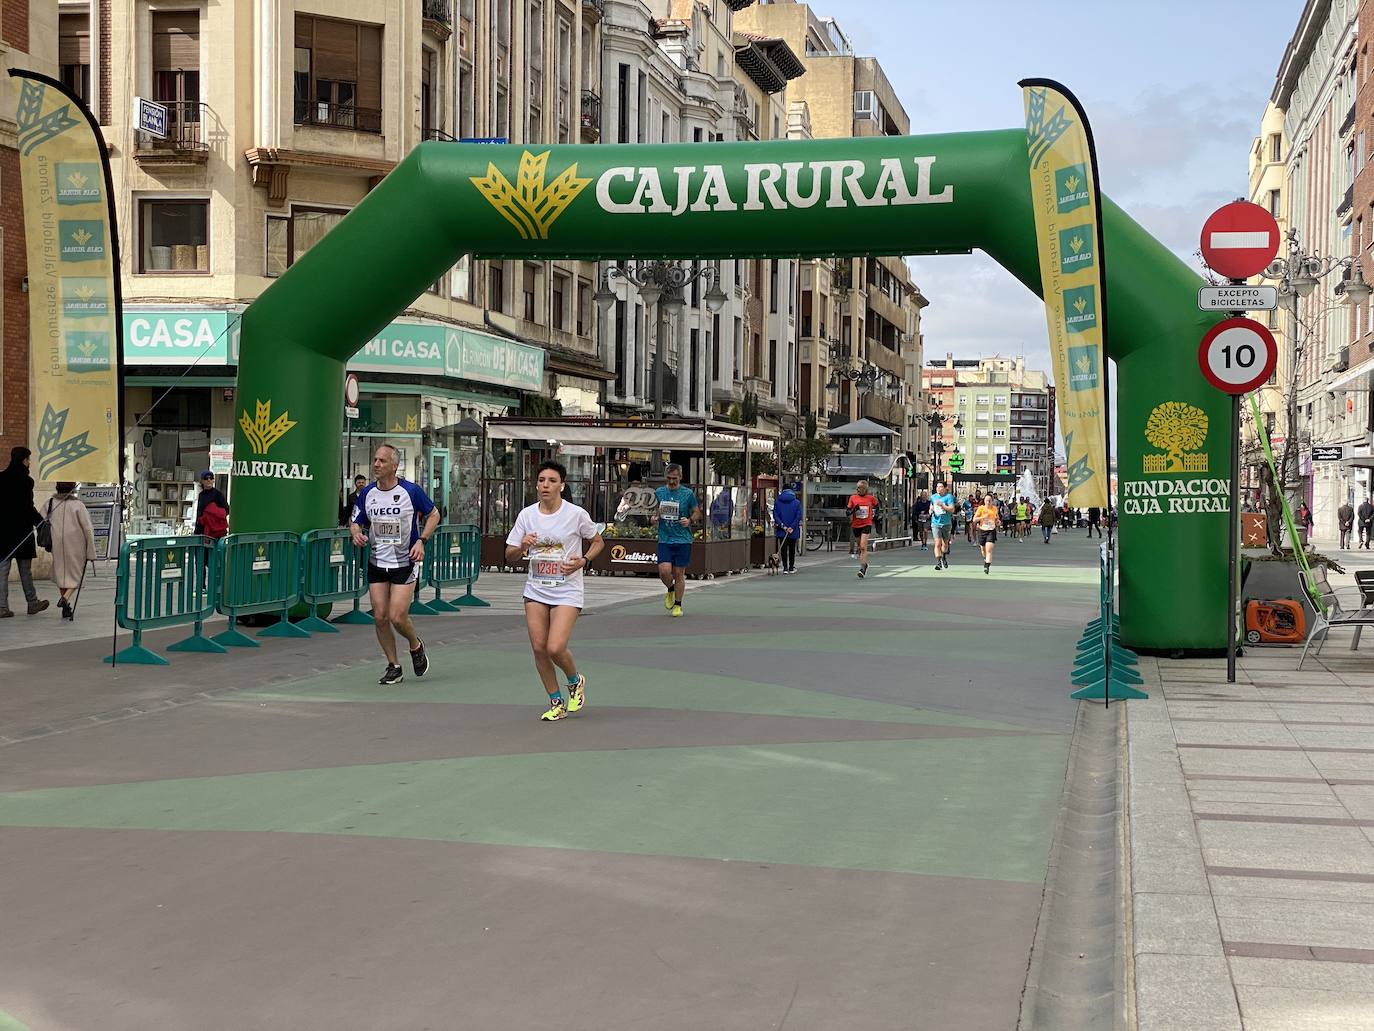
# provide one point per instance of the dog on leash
(773, 565)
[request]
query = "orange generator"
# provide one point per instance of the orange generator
(1280, 621)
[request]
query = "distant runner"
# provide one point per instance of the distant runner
(387, 515)
(677, 509)
(862, 506)
(986, 521)
(920, 519)
(551, 534)
(941, 523)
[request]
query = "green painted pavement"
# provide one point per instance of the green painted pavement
(8, 1023)
(491, 676)
(981, 808)
(1001, 573)
(1010, 646)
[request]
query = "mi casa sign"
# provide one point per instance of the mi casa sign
(768, 186)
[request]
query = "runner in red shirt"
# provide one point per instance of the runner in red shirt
(862, 505)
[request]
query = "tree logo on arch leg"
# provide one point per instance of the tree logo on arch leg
(263, 431)
(1180, 430)
(530, 205)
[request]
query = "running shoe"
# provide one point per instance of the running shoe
(393, 675)
(419, 661)
(557, 711)
(668, 600)
(577, 693)
(677, 610)
(987, 566)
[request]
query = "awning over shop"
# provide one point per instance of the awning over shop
(1357, 379)
(682, 436)
(858, 466)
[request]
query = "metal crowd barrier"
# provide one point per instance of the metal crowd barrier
(261, 572)
(1103, 667)
(333, 570)
(452, 559)
(165, 581)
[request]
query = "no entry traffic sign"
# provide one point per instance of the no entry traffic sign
(1237, 355)
(1239, 239)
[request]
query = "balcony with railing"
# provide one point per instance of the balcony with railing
(1347, 201)
(185, 142)
(1348, 122)
(881, 409)
(744, 118)
(594, 10)
(437, 18)
(591, 116)
(338, 116)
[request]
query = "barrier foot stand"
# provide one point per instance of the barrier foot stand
(137, 655)
(421, 608)
(357, 617)
(283, 628)
(234, 637)
(315, 625)
(198, 642)
(471, 600)
(1088, 674)
(1116, 692)
(439, 604)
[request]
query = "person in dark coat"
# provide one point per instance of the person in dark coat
(18, 518)
(787, 520)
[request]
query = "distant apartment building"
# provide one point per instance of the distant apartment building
(998, 415)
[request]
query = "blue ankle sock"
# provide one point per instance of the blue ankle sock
(572, 680)
(555, 697)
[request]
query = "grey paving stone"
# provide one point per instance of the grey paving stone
(1280, 847)
(1292, 888)
(1246, 764)
(1167, 870)
(1357, 799)
(1175, 925)
(1342, 925)
(1297, 1009)
(1234, 734)
(1185, 993)
(1311, 975)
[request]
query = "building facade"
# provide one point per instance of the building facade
(861, 343)
(1268, 189)
(1317, 85)
(28, 39)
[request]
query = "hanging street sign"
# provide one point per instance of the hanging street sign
(1239, 240)
(1237, 355)
(1238, 298)
(1327, 452)
(956, 461)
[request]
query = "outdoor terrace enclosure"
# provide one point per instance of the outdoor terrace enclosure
(869, 196)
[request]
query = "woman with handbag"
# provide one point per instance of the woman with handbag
(73, 543)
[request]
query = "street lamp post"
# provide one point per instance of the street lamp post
(660, 283)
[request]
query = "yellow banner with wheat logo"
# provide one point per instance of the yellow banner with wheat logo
(73, 303)
(1067, 206)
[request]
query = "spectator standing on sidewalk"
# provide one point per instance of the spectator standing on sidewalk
(1305, 519)
(73, 542)
(1095, 522)
(1365, 513)
(920, 518)
(1345, 518)
(217, 523)
(787, 517)
(18, 518)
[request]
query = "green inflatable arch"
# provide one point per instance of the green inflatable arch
(870, 196)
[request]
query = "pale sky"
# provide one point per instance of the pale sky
(1174, 92)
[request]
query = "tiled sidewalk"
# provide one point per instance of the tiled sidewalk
(1251, 809)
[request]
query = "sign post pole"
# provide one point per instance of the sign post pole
(1233, 544)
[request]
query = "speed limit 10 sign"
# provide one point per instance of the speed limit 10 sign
(1238, 355)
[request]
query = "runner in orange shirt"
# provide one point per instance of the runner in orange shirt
(985, 523)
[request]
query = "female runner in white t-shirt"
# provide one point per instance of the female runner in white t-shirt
(551, 535)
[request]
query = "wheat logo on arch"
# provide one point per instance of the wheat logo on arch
(263, 431)
(1179, 430)
(530, 205)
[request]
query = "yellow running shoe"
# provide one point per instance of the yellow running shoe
(557, 711)
(668, 600)
(677, 610)
(577, 694)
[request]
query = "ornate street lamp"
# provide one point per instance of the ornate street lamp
(661, 284)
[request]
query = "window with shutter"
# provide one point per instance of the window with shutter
(176, 71)
(74, 53)
(338, 74)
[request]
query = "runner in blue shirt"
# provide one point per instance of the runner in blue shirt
(388, 515)
(677, 510)
(942, 506)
